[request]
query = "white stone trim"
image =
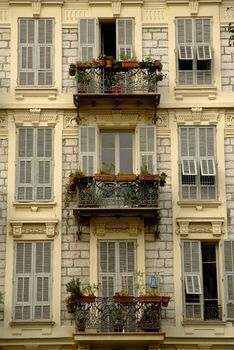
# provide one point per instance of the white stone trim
(43, 227)
(21, 93)
(187, 227)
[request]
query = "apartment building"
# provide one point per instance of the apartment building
(64, 121)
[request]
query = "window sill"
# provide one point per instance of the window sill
(34, 205)
(203, 322)
(199, 205)
(31, 323)
(22, 92)
(195, 91)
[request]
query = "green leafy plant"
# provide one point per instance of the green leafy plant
(144, 170)
(73, 180)
(83, 77)
(107, 168)
(90, 289)
(74, 286)
(121, 293)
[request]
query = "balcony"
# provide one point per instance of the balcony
(124, 195)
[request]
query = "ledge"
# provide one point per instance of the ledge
(34, 205)
(199, 205)
(22, 92)
(31, 323)
(195, 91)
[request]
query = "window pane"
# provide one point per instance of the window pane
(126, 152)
(108, 149)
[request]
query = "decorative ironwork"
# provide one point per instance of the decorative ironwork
(114, 194)
(212, 311)
(106, 315)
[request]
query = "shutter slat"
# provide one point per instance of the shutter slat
(147, 148)
(228, 254)
(125, 37)
(87, 144)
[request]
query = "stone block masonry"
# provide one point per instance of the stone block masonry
(5, 45)
(227, 61)
(3, 214)
(70, 55)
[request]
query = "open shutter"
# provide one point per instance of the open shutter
(185, 52)
(42, 299)
(23, 281)
(88, 149)
(44, 164)
(27, 43)
(125, 37)
(228, 254)
(25, 164)
(45, 51)
(107, 267)
(192, 278)
(127, 266)
(147, 148)
(87, 38)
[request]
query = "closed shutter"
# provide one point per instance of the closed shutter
(23, 281)
(147, 148)
(125, 37)
(44, 163)
(107, 267)
(27, 59)
(87, 144)
(87, 38)
(228, 254)
(127, 266)
(45, 51)
(25, 165)
(184, 31)
(192, 277)
(42, 302)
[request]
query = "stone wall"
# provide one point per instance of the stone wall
(229, 172)
(155, 44)
(75, 253)
(227, 59)
(5, 44)
(3, 214)
(69, 55)
(159, 249)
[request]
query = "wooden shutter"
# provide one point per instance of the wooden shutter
(228, 254)
(185, 52)
(184, 30)
(125, 37)
(87, 38)
(23, 281)
(44, 147)
(202, 30)
(25, 164)
(192, 277)
(147, 148)
(42, 302)
(127, 266)
(87, 144)
(27, 44)
(45, 51)
(107, 267)
(189, 167)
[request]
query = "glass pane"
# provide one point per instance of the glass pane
(126, 152)
(108, 150)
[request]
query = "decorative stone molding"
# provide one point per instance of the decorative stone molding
(47, 227)
(197, 116)
(226, 14)
(116, 7)
(154, 16)
(133, 229)
(229, 119)
(70, 121)
(4, 16)
(36, 7)
(193, 7)
(21, 93)
(191, 92)
(200, 226)
(162, 120)
(35, 117)
(71, 15)
(3, 121)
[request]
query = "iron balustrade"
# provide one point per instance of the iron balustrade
(114, 194)
(106, 315)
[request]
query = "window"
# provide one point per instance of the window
(32, 281)
(117, 147)
(228, 253)
(200, 280)
(34, 164)
(36, 61)
(117, 266)
(112, 37)
(194, 54)
(197, 163)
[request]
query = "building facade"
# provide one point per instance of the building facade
(172, 239)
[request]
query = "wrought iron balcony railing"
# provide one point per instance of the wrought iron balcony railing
(93, 192)
(95, 80)
(110, 315)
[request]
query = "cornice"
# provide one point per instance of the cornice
(200, 226)
(43, 227)
(35, 117)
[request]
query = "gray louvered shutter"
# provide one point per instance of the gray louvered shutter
(44, 150)
(25, 164)
(107, 267)
(45, 51)
(127, 266)
(27, 59)
(188, 163)
(192, 273)
(23, 281)
(228, 255)
(87, 144)
(125, 37)
(147, 148)
(203, 48)
(88, 44)
(42, 293)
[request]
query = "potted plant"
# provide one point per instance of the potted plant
(122, 296)
(88, 294)
(74, 288)
(101, 60)
(145, 174)
(128, 62)
(74, 178)
(83, 78)
(120, 177)
(106, 173)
